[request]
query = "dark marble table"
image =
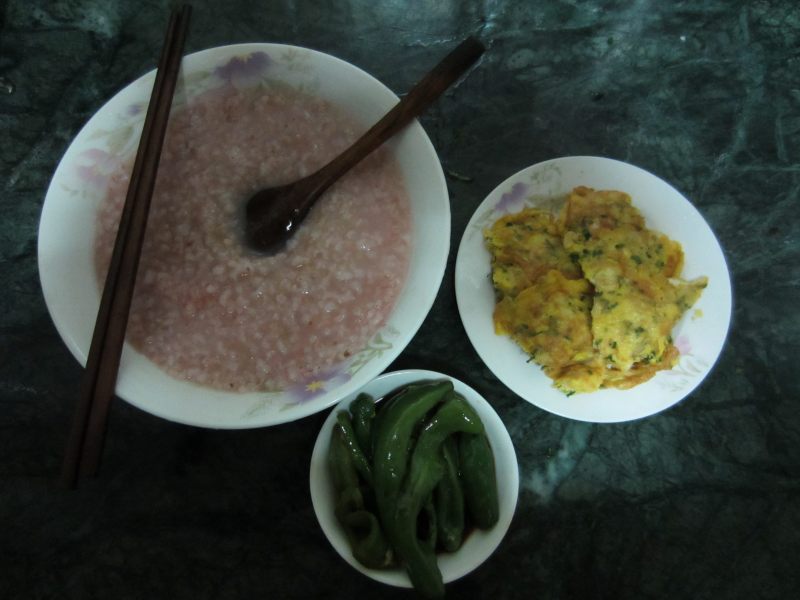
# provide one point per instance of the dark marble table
(702, 501)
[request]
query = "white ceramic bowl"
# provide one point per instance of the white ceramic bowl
(480, 544)
(699, 335)
(66, 233)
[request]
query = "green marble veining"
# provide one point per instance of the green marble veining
(702, 501)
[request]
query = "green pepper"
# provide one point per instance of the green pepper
(366, 538)
(343, 473)
(362, 410)
(392, 434)
(426, 469)
(449, 498)
(363, 531)
(479, 480)
(348, 500)
(386, 407)
(360, 462)
(428, 533)
(427, 464)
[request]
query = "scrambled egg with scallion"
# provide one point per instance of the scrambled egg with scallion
(590, 294)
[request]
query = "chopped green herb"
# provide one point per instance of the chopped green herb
(607, 305)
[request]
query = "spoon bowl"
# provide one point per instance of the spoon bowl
(272, 215)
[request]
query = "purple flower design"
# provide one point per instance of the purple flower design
(134, 109)
(96, 166)
(507, 201)
(317, 385)
(683, 345)
(243, 69)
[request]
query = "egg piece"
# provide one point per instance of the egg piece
(550, 320)
(524, 246)
(591, 294)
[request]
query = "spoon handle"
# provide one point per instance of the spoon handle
(422, 95)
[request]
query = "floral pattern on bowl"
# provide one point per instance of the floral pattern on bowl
(329, 379)
(245, 70)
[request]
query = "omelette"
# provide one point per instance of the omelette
(590, 294)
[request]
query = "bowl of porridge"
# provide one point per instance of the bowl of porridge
(220, 336)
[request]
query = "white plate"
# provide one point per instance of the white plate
(699, 335)
(480, 544)
(66, 232)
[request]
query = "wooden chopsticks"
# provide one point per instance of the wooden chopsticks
(85, 443)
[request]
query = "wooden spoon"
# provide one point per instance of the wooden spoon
(274, 214)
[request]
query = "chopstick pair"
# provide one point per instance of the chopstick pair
(87, 435)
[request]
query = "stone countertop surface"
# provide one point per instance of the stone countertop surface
(701, 501)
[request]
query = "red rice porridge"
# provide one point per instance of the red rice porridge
(208, 310)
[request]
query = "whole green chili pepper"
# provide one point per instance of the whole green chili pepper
(360, 462)
(429, 534)
(366, 538)
(391, 435)
(362, 410)
(479, 480)
(361, 527)
(387, 408)
(386, 402)
(424, 472)
(449, 498)
(348, 500)
(455, 415)
(343, 473)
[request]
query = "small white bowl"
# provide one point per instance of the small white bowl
(699, 335)
(480, 544)
(66, 233)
